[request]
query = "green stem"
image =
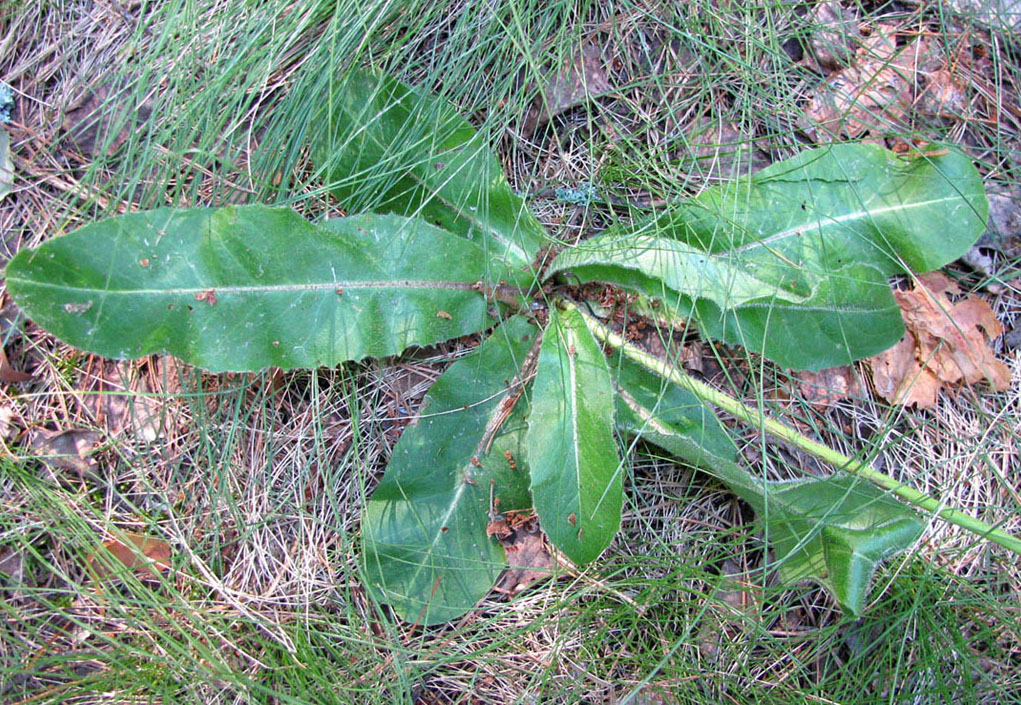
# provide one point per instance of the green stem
(839, 460)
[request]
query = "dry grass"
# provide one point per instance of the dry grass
(256, 482)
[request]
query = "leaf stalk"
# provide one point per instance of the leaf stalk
(840, 461)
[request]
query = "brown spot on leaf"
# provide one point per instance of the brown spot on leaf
(573, 518)
(209, 296)
(443, 314)
(77, 309)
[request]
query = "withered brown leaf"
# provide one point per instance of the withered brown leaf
(829, 385)
(528, 554)
(581, 77)
(8, 373)
(871, 95)
(142, 554)
(71, 449)
(947, 343)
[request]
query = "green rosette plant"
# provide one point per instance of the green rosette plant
(792, 262)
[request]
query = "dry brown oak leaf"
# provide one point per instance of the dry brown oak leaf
(946, 344)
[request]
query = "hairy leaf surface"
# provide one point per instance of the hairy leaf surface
(833, 531)
(246, 287)
(793, 261)
(391, 148)
(577, 481)
(426, 552)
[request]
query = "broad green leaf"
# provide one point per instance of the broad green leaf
(392, 148)
(682, 267)
(852, 315)
(645, 402)
(246, 287)
(425, 551)
(792, 262)
(577, 482)
(861, 316)
(833, 531)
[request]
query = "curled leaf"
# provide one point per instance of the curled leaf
(833, 531)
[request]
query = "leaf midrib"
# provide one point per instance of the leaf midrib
(573, 381)
(256, 289)
(820, 225)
